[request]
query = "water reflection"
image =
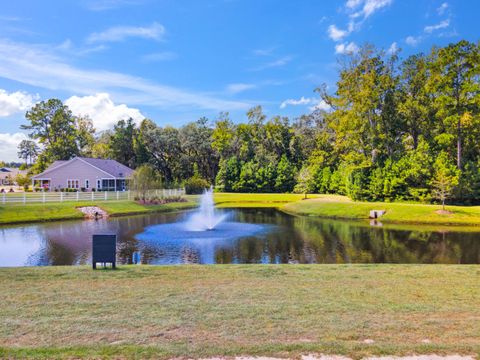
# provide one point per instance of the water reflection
(283, 239)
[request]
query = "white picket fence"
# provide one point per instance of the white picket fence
(44, 197)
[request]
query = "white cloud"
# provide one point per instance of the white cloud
(120, 33)
(336, 34)
(393, 48)
(317, 104)
(239, 87)
(321, 105)
(365, 8)
(11, 103)
(295, 102)
(101, 109)
(8, 145)
(160, 56)
(37, 66)
(346, 48)
(358, 11)
(351, 4)
(442, 25)
(441, 9)
(412, 40)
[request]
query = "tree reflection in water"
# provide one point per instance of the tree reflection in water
(283, 239)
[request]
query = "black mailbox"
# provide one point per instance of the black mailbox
(104, 249)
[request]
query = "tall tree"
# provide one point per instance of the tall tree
(456, 81)
(28, 151)
(53, 125)
(122, 142)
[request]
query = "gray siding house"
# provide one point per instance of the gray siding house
(84, 174)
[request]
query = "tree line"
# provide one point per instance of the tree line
(397, 129)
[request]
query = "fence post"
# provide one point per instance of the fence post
(106, 196)
(43, 197)
(118, 194)
(93, 195)
(24, 197)
(4, 196)
(128, 194)
(78, 195)
(61, 196)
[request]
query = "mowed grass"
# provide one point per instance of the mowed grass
(340, 207)
(237, 200)
(22, 213)
(198, 311)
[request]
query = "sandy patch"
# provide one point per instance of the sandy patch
(443, 212)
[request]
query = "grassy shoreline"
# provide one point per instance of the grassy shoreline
(322, 206)
(39, 212)
(227, 310)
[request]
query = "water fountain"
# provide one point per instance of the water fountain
(201, 233)
(205, 219)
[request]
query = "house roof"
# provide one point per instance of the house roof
(111, 167)
(12, 172)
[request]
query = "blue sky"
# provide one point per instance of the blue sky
(175, 61)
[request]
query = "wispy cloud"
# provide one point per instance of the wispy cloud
(102, 5)
(264, 52)
(358, 11)
(393, 48)
(413, 40)
(442, 8)
(35, 65)
(239, 87)
(366, 8)
(280, 62)
(428, 31)
(442, 25)
(159, 56)
(155, 31)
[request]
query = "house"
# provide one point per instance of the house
(85, 174)
(8, 175)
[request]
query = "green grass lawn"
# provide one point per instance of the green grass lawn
(198, 311)
(340, 207)
(19, 213)
(236, 200)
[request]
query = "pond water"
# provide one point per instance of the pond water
(246, 236)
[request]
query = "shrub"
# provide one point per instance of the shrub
(195, 185)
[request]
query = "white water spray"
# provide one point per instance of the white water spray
(205, 218)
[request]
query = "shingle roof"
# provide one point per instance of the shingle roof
(112, 167)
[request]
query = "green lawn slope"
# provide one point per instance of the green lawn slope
(187, 311)
(340, 207)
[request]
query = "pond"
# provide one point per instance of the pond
(249, 236)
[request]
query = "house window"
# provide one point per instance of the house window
(87, 184)
(99, 184)
(73, 183)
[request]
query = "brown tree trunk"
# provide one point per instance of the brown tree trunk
(459, 145)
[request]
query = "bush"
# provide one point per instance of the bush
(195, 185)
